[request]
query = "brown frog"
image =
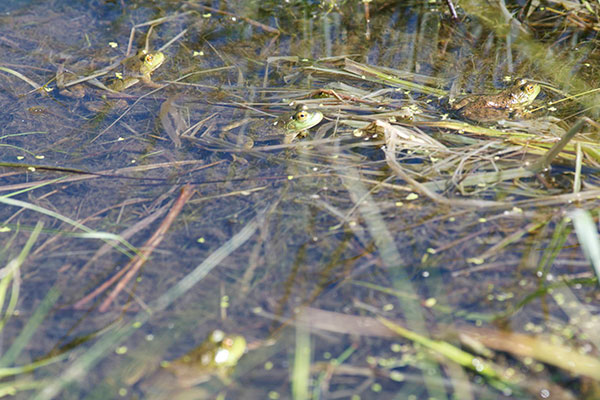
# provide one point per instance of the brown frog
(509, 103)
(138, 68)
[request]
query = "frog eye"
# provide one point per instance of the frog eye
(149, 58)
(217, 336)
(529, 88)
(301, 116)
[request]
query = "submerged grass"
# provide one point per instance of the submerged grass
(455, 354)
(11, 278)
(387, 207)
(88, 233)
(102, 348)
(10, 286)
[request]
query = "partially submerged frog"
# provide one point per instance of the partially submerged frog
(509, 103)
(291, 125)
(216, 357)
(135, 69)
(299, 122)
(138, 68)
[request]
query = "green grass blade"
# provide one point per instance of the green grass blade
(14, 387)
(106, 236)
(82, 365)
(12, 274)
(9, 272)
(374, 74)
(301, 371)
(21, 76)
(467, 360)
(13, 371)
(587, 233)
(30, 328)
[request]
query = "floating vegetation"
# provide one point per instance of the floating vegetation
(307, 199)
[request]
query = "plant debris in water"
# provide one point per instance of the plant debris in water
(361, 199)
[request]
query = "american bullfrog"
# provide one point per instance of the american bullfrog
(291, 125)
(216, 356)
(509, 103)
(302, 120)
(299, 122)
(138, 68)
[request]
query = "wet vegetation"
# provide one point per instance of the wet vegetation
(300, 199)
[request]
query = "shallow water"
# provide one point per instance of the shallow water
(320, 224)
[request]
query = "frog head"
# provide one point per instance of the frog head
(151, 61)
(303, 119)
(523, 92)
(229, 348)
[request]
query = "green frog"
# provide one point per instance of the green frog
(299, 122)
(509, 103)
(216, 357)
(291, 125)
(138, 68)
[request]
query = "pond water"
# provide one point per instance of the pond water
(402, 247)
